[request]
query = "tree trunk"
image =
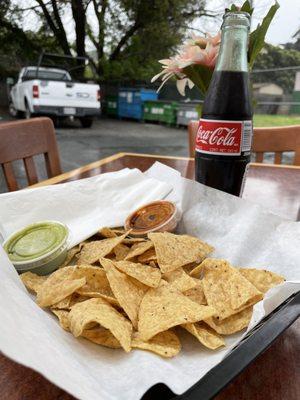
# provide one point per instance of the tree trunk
(79, 16)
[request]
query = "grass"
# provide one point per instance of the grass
(275, 120)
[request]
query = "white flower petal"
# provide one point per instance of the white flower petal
(157, 76)
(165, 61)
(191, 84)
(167, 76)
(183, 64)
(163, 82)
(181, 84)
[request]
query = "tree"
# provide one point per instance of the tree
(277, 57)
(125, 37)
(294, 45)
(16, 46)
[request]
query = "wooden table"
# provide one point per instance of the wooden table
(275, 373)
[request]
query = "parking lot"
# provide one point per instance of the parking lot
(78, 146)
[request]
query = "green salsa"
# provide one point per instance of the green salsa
(35, 241)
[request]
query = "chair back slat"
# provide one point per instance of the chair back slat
(25, 139)
(52, 164)
(259, 156)
(30, 170)
(10, 178)
(278, 157)
(275, 140)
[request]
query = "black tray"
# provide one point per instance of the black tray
(255, 342)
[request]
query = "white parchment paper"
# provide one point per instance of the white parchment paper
(240, 231)
(84, 205)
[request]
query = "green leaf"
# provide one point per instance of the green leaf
(257, 37)
(246, 7)
(233, 8)
(200, 75)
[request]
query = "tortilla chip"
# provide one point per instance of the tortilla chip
(107, 233)
(63, 317)
(100, 311)
(96, 279)
(92, 251)
(180, 279)
(165, 307)
(131, 240)
(69, 301)
(149, 276)
(153, 264)
(148, 256)
(70, 255)
(189, 267)
(232, 324)
(96, 285)
(174, 251)
(196, 293)
(197, 271)
(118, 231)
(64, 304)
(59, 285)
(101, 336)
(263, 280)
(226, 289)
(121, 251)
(125, 289)
(165, 344)
(32, 281)
(138, 249)
(207, 336)
(77, 298)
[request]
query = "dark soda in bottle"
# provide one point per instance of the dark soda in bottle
(224, 135)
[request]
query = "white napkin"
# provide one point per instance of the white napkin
(241, 232)
(84, 206)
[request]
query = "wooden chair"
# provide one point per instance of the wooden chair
(274, 139)
(23, 140)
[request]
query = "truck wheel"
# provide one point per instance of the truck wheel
(27, 113)
(86, 122)
(13, 112)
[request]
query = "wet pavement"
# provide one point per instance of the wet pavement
(79, 146)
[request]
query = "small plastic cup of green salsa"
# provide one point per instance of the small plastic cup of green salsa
(40, 247)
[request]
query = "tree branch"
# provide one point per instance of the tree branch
(61, 29)
(101, 25)
(91, 36)
(124, 39)
(58, 33)
(79, 16)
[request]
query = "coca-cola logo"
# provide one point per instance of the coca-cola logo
(220, 136)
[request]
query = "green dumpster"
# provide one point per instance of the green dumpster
(161, 111)
(153, 110)
(295, 109)
(111, 106)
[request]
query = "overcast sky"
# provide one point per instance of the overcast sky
(284, 26)
(286, 22)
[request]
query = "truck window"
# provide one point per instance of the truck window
(46, 75)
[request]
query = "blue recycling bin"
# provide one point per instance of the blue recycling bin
(131, 102)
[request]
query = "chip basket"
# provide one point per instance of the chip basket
(253, 344)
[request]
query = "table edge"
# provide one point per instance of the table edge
(64, 176)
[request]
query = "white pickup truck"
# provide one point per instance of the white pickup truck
(51, 91)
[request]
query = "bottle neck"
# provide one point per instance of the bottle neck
(233, 50)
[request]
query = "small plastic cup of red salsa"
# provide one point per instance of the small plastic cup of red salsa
(158, 216)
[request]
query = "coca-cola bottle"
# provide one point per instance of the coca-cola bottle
(224, 135)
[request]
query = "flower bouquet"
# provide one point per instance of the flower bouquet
(194, 63)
